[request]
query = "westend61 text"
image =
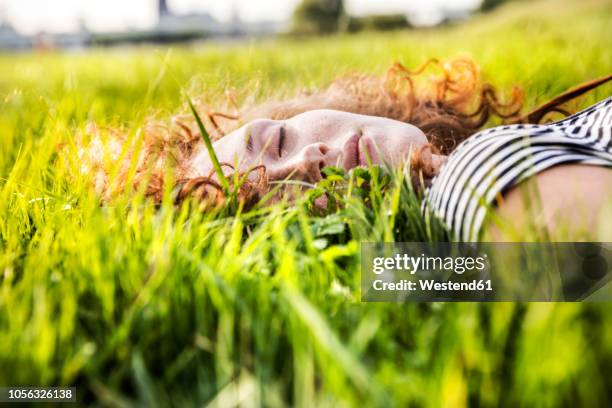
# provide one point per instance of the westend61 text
(432, 285)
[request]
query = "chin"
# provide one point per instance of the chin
(393, 158)
(390, 153)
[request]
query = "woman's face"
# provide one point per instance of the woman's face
(298, 148)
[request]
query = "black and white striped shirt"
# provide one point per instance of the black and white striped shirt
(490, 162)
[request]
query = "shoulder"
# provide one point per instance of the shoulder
(492, 161)
(563, 203)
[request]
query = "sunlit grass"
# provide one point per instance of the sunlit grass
(134, 303)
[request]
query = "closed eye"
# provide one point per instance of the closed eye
(281, 140)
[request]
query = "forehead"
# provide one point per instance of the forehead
(327, 116)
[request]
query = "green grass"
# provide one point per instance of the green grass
(141, 305)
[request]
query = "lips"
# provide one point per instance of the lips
(365, 151)
(354, 152)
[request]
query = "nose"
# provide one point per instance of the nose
(314, 157)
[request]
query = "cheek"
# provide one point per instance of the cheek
(229, 149)
(226, 150)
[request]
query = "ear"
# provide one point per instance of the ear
(437, 161)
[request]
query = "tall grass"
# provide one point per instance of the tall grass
(137, 304)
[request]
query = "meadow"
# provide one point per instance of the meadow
(156, 306)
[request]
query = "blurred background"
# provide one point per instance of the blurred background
(39, 24)
(137, 307)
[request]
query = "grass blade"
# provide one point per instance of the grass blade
(211, 151)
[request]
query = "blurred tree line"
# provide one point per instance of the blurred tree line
(316, 17)
(488, 5)
(312, 17)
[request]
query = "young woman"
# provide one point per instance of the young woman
(473, 176)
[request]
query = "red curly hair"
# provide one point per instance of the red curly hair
(448, 101)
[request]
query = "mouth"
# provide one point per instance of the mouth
(356, 151)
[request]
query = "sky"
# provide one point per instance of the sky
(31, 16)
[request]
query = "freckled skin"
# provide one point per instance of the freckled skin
(319, 138)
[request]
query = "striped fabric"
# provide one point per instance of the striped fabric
(494, 160)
